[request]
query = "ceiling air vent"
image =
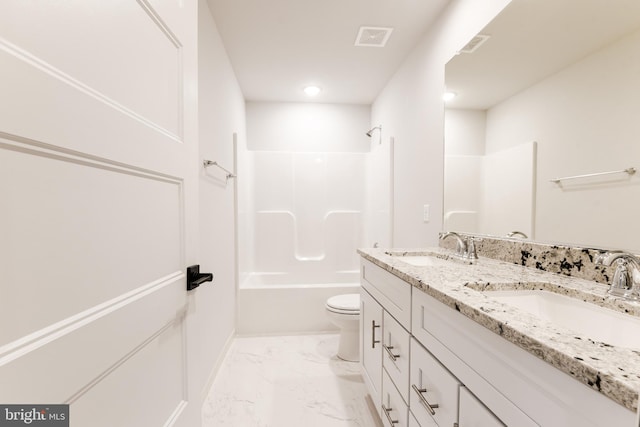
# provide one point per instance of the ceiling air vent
(475, 43)
(373, 36)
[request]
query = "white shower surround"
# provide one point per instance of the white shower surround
(301, 214)
(306, 227)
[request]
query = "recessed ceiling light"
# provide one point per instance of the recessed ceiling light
(448, 96)
(312, 90)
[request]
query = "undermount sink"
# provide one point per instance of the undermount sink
(423, 259)
(590, 320)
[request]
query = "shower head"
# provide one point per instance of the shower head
(371, 131)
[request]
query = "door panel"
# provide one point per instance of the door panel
(154, 368)
(118, 50)
(44, 108)
(84, 228)
(98, 194)
(73, 354)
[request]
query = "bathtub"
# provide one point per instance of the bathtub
(287, 303)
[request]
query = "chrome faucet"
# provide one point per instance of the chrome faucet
(625, 283)
(461, 245)
(465, 249)
(517, 233)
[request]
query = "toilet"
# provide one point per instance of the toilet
(344, 312)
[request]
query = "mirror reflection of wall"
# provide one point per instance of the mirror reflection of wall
(582, 109)
(489, 193)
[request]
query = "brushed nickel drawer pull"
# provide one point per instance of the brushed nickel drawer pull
(392, 356)
(374, 341)
(428, 406)
(386, 412)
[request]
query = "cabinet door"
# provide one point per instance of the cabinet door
(473, 413)
(371, 345)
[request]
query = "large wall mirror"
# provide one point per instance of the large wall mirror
(549, 89)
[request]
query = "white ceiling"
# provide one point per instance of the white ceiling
(531, 40)
(277, 47)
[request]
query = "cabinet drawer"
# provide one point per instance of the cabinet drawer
(473, 413)
(414, 423)
(472, 353)
(393, 293)
(431, 385)
(393, 411)
(395, 353)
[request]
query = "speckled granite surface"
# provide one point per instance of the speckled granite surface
(613, 371)
(554, 258)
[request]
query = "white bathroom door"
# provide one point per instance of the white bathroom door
(97, 173)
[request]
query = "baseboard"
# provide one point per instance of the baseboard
(285, 333)
(218, 365)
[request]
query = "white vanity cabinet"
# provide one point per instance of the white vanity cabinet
(519, 388)
(385, 317)
(393, 293)
(407, 383)
(473, 413)
(439, 399)
(458, 372)
(395, 412)
(434, 390)
(412, 421)
(371, 345)
(396, 353)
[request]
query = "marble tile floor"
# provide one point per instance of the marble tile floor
(287, 381)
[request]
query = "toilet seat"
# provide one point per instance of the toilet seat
(344, 304)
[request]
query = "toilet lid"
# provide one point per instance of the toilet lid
(346, 302)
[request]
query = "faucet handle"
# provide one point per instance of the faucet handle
(471, 248)
(624, 284)
(626, 277)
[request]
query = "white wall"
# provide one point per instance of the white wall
(507, 196)
(585, 120)
(221, 113)
(290, 126)
(464, 134)
(411, 110)
(486, 193)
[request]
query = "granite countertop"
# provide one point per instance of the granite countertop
(610, 370)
